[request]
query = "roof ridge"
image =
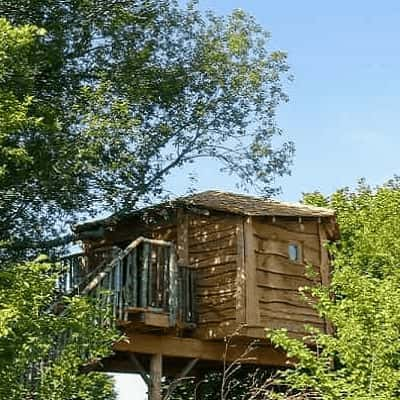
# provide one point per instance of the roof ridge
(255, 197)
(228, 202)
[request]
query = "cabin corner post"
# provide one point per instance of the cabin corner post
(240, 274)
(252, 308)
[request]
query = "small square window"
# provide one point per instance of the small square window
(294, 252)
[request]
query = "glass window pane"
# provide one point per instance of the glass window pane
(294, 253)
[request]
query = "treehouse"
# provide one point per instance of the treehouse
(183, 275)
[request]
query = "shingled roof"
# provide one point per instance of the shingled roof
(226, 202)
(251, 205)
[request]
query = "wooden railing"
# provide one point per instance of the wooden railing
(71, 275)
(187, 295)
(75, 273)
(143, 276)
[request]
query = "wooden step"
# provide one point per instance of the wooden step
(150, 317)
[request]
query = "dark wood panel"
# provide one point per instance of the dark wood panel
(281, 281)
(216, 269)
(218, 276)
(304, 228)
(275, 295)
(217, 245)
(205, 235)
(213, 260)
(275, 263)
(289, 324)
(278, 309)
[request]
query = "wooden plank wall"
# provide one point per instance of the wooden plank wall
(213, 253)
(278, 278)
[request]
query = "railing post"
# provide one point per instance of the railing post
(120, 288)
(145, 275)
(150, 281)
(113, 296)
(166, 278)
(193, 309)
(134, 279)
(159, 279)
(173, 287)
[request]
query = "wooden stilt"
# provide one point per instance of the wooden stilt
(155, 377)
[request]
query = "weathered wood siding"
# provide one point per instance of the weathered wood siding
(278, 279)
(243, 271)
(213, 253)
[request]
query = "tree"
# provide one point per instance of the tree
(99, 102)
(42, 351)
(124, 93)
(16, 75)
(362, 359)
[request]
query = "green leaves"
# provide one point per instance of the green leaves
(117, 95)
(99, 102)
(362, 359)
(31, 334)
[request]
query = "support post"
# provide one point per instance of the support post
(252, 308)
(173, 287)
(155, 377)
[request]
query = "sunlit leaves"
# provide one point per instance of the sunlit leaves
(362, 359)
(30, 333)
(127, 92)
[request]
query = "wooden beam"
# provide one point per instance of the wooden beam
(138, 365)
(240, 275)
(172, 346)
(252, 307)
(159, 319)
(155, 377)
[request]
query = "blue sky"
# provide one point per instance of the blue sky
(343, 113)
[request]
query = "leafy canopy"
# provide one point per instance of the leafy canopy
(362, 359)
(41, 351)
(117, 95)
(99, 102)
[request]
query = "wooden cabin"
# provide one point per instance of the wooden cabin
(187, 273)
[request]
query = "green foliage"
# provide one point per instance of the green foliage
(15, 50)
(116, 95)
(369, 227)
(362, 359)
(31, 334)
(99, 102)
